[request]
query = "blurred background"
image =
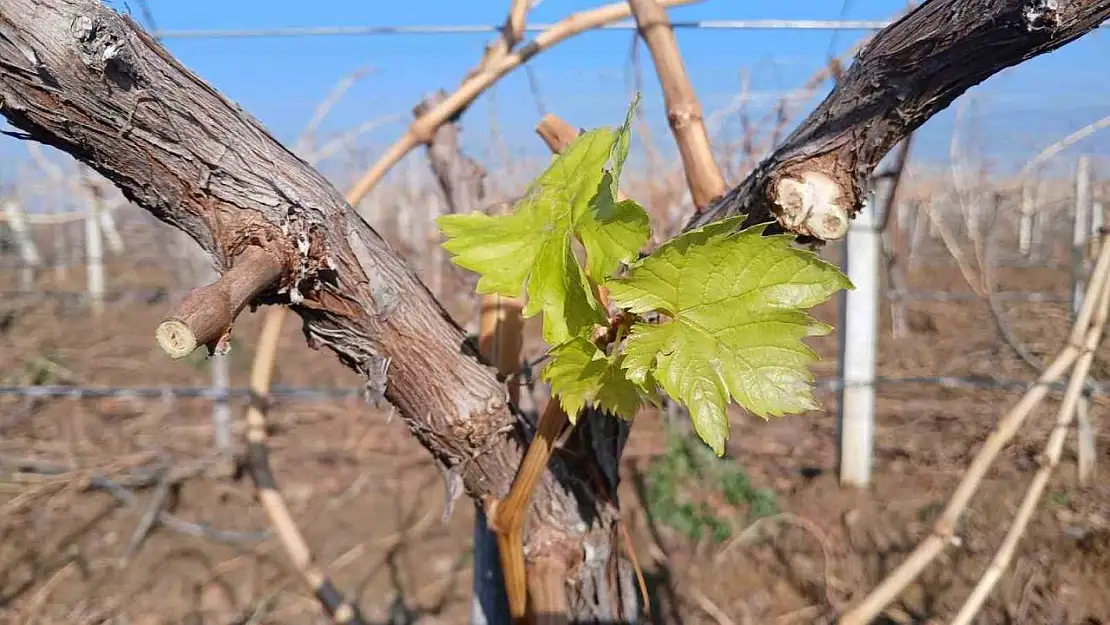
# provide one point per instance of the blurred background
(982, 257)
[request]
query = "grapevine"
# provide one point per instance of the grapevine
(717, 314)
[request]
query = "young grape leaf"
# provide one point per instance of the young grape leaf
(580, 374)
(574, 199)
(735, 304)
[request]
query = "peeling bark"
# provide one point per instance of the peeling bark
(907, 73)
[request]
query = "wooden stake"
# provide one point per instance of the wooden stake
(94, 259)
(1025, 223)
(1081, 236)
(28, 251)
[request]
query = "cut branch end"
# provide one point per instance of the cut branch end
(811, 206)
(556, 133)
(205, 315)
(176, 338)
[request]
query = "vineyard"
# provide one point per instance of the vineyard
(144, 479)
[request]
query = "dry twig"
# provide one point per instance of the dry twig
(121, 491)
(710, 608)
(683, 109)
(258, 465)
(37, 602)
(945, 527)
(148, 520)
(1059, 146)
(797, 521)
(1049, 459)
(424, 127)
(307, 138)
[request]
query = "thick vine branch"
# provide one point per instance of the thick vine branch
(907, 73)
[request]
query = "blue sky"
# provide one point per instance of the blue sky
(280, 80)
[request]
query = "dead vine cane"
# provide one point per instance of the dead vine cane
(1049, 459)
(684, 111)
(945, 527)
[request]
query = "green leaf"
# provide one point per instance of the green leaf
(582, 375)
(735, 302)
(533, 247)
(559, 289)
(613, 232)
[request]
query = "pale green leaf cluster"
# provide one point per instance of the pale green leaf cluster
(533, 248)
(582, 375)
(735, 306)
(734, 301)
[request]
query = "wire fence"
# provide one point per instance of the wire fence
(469, 29)
(312, 394)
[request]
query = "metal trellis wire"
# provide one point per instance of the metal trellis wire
(326, 394)
(467, 29)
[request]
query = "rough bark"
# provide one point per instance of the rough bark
(78, 76)
(906, 74)
(461, 179)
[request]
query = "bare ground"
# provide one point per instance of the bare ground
(371, 503)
